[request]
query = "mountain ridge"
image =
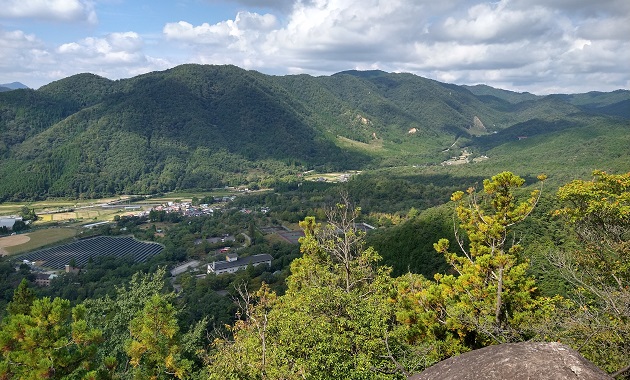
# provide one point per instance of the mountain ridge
(201, 126)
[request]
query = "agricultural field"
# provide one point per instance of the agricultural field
(85, 215)
(13, 245)
(81, 251)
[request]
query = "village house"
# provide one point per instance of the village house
(9, 221)
(234, 263)
(43, 279)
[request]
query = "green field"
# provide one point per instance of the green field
(42, 238)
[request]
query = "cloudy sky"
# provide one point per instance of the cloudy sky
(540, 46)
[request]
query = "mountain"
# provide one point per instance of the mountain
(510, 96)
(201, 126)
(13, 86)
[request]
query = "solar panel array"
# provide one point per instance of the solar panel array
(81, 251)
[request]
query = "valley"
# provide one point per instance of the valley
(401, 220)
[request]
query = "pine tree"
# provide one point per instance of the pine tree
(23, 298)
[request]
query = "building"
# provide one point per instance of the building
(9, 221)
(234, 263)
(43, 279)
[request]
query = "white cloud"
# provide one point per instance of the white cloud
(496, 23)
(524, 45)
(16, 48)
(282, 5)
(245, 26)
(57, 10)
(115, 48)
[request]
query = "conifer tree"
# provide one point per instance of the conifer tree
(489, 297)
(50, 341)
(599, 269)
(23, 298)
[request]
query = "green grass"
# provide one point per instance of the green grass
(10, 208)
(42, 238)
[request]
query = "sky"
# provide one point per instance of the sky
(539, 46)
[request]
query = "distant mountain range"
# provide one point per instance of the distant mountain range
(200, 126)
(11, 86)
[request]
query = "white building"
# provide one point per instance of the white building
(234, 263)
(9, 221)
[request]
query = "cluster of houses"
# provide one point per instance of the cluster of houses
(185, 208)
(188, 209)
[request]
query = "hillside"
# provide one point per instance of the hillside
(199, 126)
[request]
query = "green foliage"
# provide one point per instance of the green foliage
(23, 298)
(50, 341)
(113, 315)
(153, 349)
(28, 213)
(199, 127)
(334, 321)
(408, 247)
(495, 295)
(599, 269)
(10, 280)
(490, 298)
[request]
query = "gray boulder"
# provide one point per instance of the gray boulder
(516, 361)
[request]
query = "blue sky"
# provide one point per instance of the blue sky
(540, 46)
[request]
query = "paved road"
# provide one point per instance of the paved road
(184, 267)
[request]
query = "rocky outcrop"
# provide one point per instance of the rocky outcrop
(516, 361)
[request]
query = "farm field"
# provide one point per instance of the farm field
(95, 214)
(34, 240)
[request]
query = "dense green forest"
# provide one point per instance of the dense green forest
(525, 261)
(201, 126)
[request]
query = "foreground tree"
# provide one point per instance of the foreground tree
(51, 340)
(493, 292)
(114, 314)
(23, 298)
(336, 319)
(125, 318)
(489, 298)
(599, 270)
(153, 348)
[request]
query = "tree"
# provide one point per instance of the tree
(19, 225)
(113, 315)
(23, 298)
(599, 269)
(153, 348)
(334, 321)
(490, 299)
(28, 214)
(248, 353)
(50, 341)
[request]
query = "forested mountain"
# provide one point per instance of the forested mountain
(197, 126)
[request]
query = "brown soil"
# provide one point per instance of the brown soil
(9, 241)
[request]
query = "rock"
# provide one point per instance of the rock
(516, 361)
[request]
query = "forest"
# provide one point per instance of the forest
(206, 126)
(511, 260)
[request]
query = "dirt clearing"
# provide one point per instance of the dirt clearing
(10, 241)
